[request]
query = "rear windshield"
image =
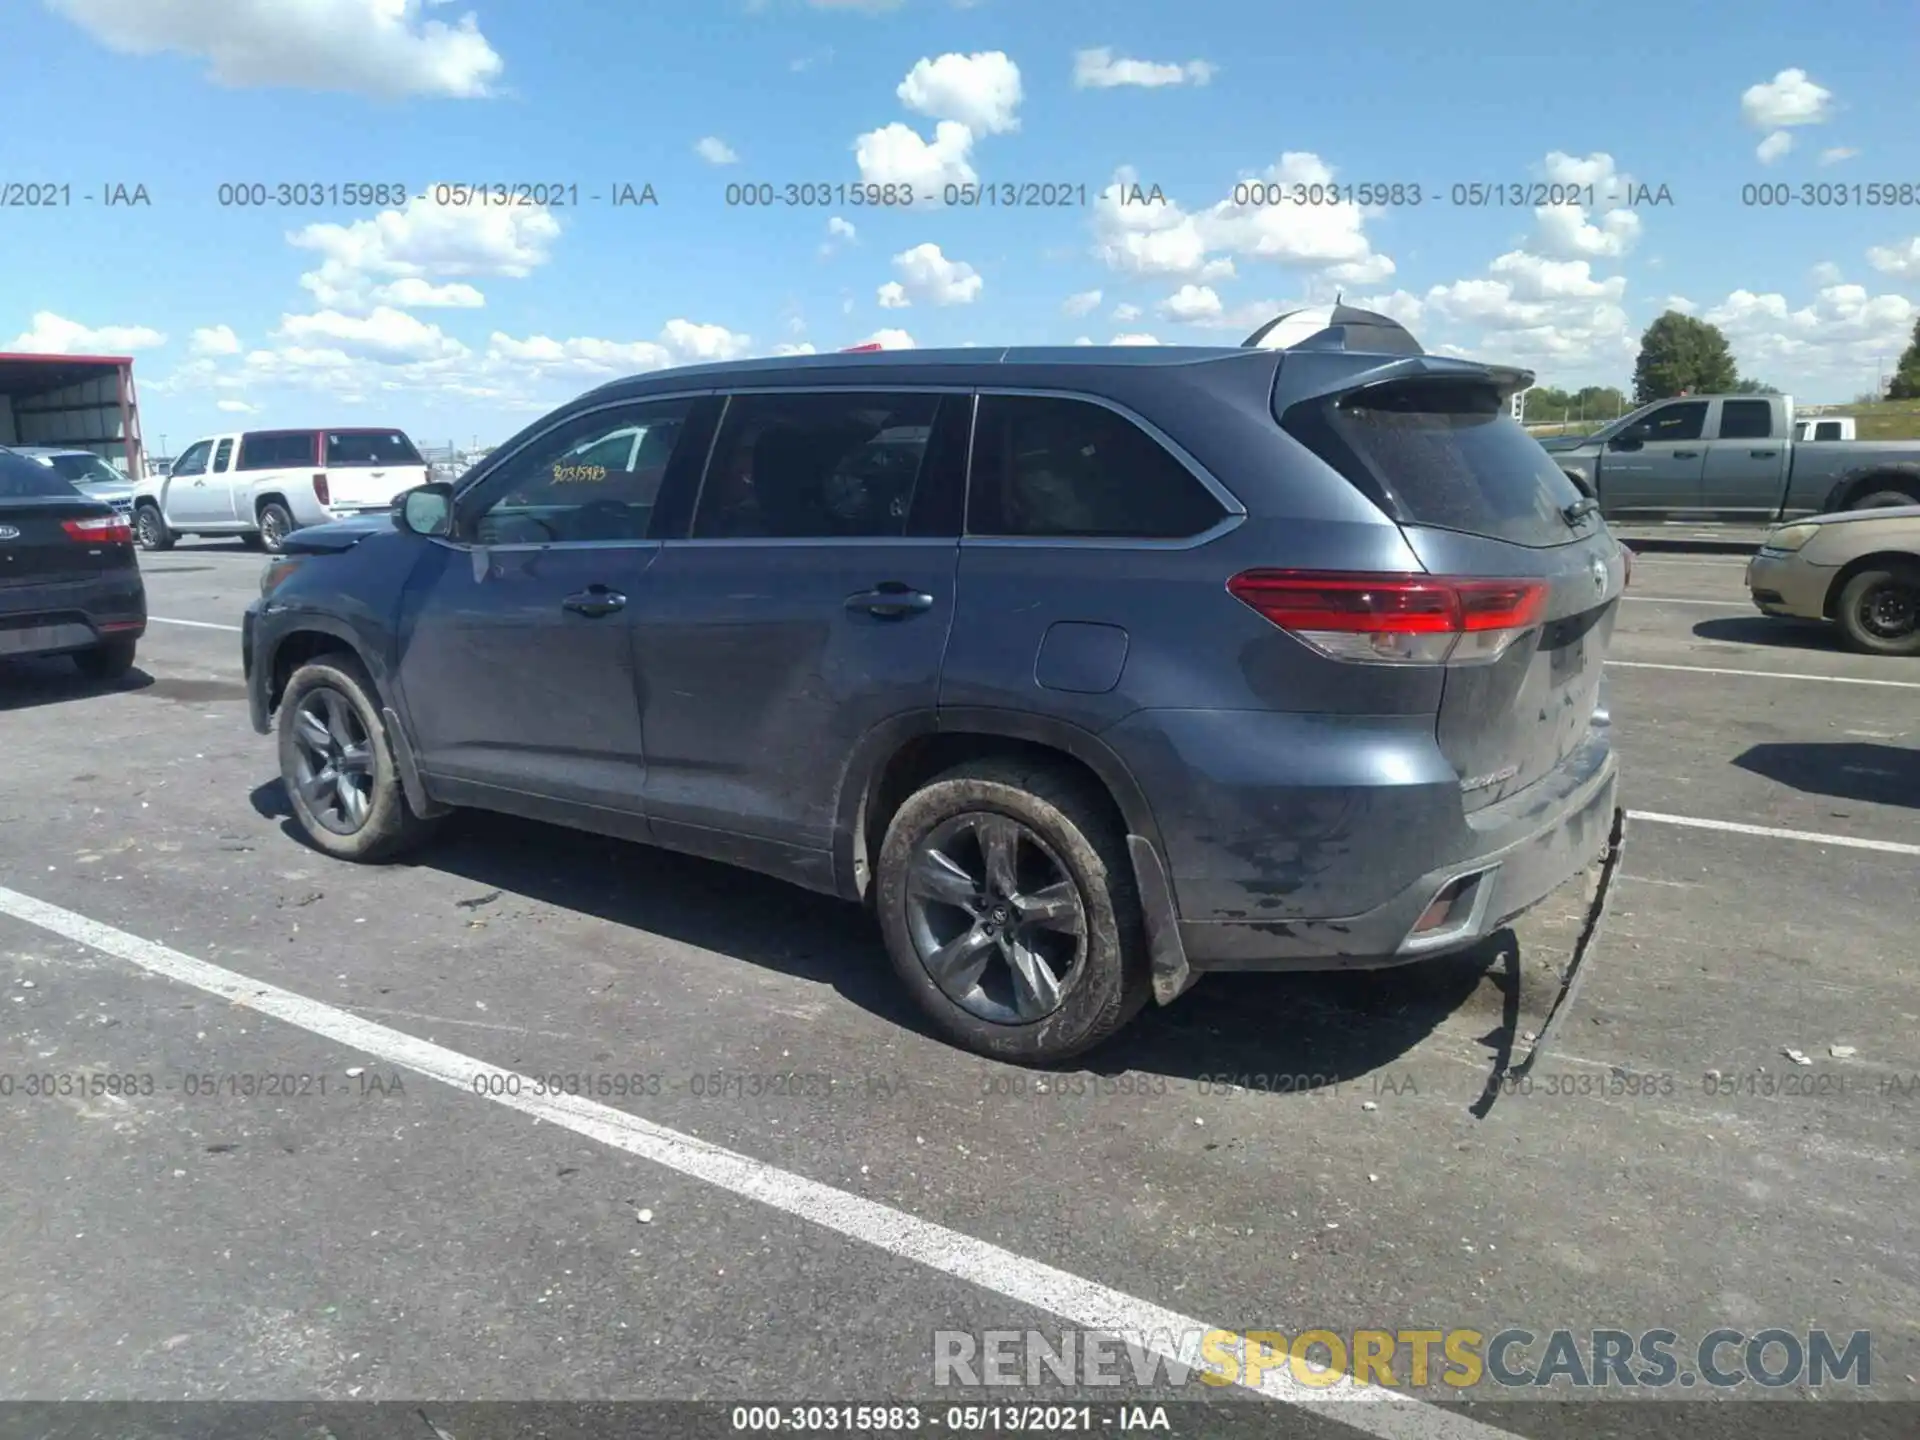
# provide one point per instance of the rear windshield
(24, 479)
(1444, 453)
(370, 447)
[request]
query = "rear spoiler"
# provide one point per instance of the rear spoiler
(1506, 379)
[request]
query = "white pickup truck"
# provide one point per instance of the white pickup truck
(261, 485)
(1825, 427)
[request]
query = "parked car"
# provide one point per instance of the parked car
(1860, 571)
(69, 579)
(1087, 669)
(262, 485)
(91, 475)
(1825, 427)
(1729, 457)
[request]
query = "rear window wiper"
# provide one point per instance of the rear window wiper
(1579, 510)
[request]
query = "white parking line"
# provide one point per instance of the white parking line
(1773, 832)
(1766, 674)
(196, 624)
(1081, 1302)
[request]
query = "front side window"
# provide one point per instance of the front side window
(194, 462)
(1671, 423)
(1054, 467)
(818, 466)
(596, 477)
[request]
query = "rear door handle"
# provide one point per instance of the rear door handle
(1686, 454)
(1762, 454)
(890, 600)
(594, 602)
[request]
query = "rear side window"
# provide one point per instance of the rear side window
(1051, 467)
(24, 479)
(819, 466)
(276, 450)
(1827, 430)
(366, 449)
(222, 455)
(1441, 453)
(1745, 420)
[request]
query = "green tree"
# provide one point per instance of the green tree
(1679, 353)
(1754, 387)
(1906, 375)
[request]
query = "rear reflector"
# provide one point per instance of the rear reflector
(320, 490)
(99, 530)
(1395, 619)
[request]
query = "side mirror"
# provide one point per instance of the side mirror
(424, 510)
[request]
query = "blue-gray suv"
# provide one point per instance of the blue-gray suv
(1088, 670)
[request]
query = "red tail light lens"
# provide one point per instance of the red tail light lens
(320, 490)
(100, 530)
(1395, 619)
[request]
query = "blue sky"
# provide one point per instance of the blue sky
(462, 322)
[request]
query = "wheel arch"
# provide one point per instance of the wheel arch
(1853, 487)
(1904, 559)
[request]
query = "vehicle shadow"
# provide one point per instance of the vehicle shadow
(1772, 631)
(26, 684)
(1300, 1032)
(1842, 769)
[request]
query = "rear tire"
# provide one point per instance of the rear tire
(109, 660)
(1879, 610)
(337, 764)
(150, 527)
(1884, 499)
(276, 523)
(1046, 952)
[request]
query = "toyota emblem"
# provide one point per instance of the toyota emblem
(8, 532)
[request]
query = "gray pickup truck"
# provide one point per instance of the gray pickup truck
(1732, 457)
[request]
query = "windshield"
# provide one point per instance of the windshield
(361, 448)
(25, 479)
(85, 469)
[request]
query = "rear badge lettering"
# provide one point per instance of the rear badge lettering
(1481, 782)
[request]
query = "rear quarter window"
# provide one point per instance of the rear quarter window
(1447, 454)
(368, 448)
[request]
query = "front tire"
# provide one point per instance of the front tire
(1883, 500)
(276, 523)
(1879, 610)
(337, 765)
(109, 660)
(1007, 900)
(150, 528)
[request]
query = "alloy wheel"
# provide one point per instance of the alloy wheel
(995, 917)
(333, 761)
(148, 527)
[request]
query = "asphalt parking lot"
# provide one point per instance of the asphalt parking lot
(373, 1232)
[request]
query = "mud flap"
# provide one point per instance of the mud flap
(1583, 948)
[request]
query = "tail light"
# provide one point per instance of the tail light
(99, 530)
(320, 490)
(1395, 619)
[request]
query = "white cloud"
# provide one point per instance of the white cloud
(928, 275)
(1827, 273)
(1192, 302)
(1083, 303)
(1126, 311)
(1837, 154)
(1790, 98)
(893, 296)
(56, 335)
(802, 348)
(1535, 309)
(236, 407)
(1401, 305)
(842, 229)
(385, 334)
(1083, 340)
(415, 293)
(1569, 231)
(425, 241)
(1133, 340)
(1902, 260)
(889, 340)
(383, 48)
(715, 151)
(1832, 346)
(981, 91)
(896, 154)
(1773, 147)
(1098, 70)
(214, 340)
(1680, 303)
(870, 7)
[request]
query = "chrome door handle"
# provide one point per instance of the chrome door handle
(594, 602)
(1762, 454)
(890, 600)
(1686, 454)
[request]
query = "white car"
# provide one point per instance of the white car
(261, 485)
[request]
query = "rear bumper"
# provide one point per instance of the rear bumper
(1521, 850)
(62, 616)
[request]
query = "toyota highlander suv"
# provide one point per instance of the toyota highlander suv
(1088, 671)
